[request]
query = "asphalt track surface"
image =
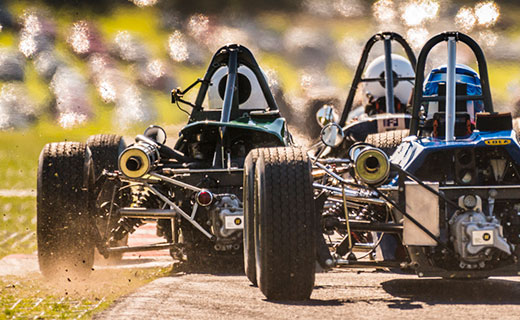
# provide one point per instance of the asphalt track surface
(341, 294)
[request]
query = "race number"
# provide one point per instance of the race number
(390, 124)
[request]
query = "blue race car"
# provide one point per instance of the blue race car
(445, 204)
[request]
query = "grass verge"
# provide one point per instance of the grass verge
(33, 297)
(17, 225)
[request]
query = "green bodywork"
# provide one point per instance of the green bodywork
(275, 127)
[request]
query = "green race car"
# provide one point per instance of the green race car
(93, 195)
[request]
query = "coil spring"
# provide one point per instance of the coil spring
(127, 225)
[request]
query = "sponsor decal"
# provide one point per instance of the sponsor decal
(482, 238)
(234, 222)
(497, 142)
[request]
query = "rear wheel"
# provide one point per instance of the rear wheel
(285, 224)
(387, 141)
(64, 225)
(249, 231)
(105, 149)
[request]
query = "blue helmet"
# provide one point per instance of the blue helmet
(466, 77)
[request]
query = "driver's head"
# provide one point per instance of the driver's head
(375, 93)
(467, 83)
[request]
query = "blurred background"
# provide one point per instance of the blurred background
(69, 69)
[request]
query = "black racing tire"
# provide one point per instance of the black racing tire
(64, 225)
(249, 224)
(286, 225)
(105, 149)
(387, 141)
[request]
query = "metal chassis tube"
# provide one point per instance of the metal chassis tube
(375, 194)
(159, 214)
(362, 63)
(418, 97)
(179, 211)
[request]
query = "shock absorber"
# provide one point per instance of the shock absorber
(127, 225)
(124, 227)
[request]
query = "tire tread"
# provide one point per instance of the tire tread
(63, 229)
(286, 226)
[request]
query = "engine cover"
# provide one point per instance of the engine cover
(475, 236)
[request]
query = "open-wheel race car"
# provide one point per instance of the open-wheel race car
(387, 83)
(94, 195)
(386, 86)
(446, 204)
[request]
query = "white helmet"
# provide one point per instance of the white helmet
(250, 94)
(376, 69)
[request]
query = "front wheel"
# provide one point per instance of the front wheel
(64, 226)
(286, 224)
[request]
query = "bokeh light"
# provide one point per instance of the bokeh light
(384, 11)
(416, 13)
(465, 19)
(487, 13)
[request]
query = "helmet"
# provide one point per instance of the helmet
(250, 95)
(375, 90)
(466, 79)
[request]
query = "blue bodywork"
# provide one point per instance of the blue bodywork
(411, 154)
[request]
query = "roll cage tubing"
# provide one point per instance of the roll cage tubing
(387, 37)
(233, 56)
(418, 95)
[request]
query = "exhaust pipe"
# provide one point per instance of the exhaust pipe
(139, 159)
(371, 165)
